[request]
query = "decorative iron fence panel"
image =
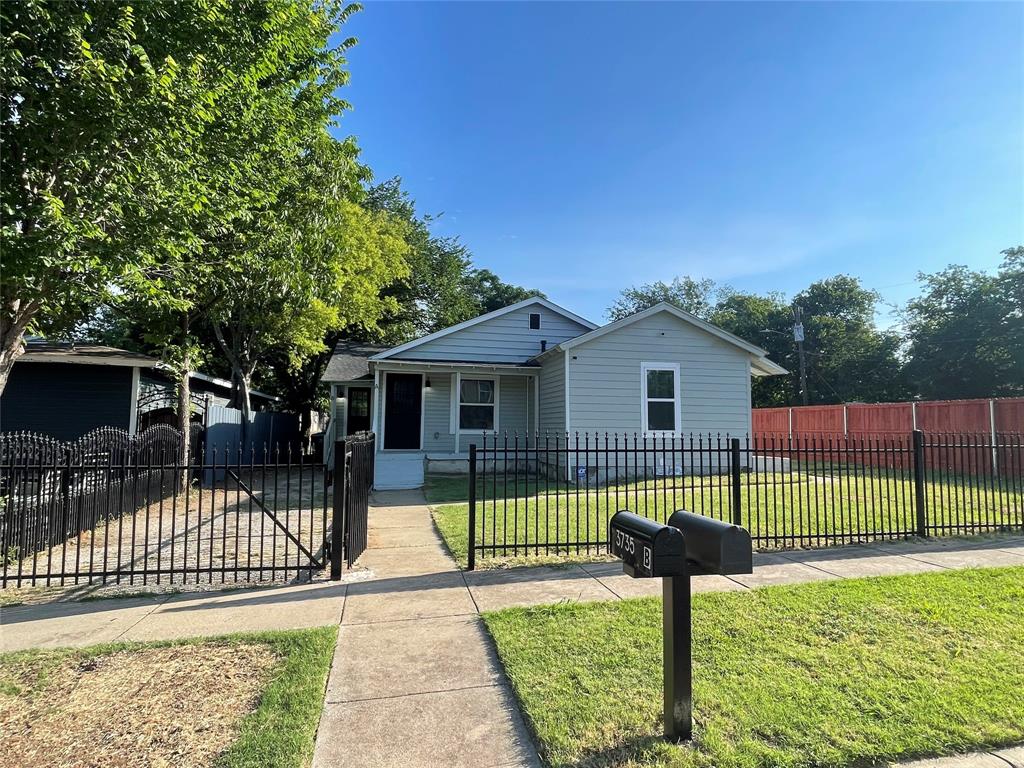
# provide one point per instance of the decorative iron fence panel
(132, 513)
(553, 495)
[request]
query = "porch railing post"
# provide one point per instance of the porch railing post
(338, 514)
(734, 466)
(471, 554)
(919, 505)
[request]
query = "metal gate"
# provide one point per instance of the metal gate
(353, 480)
(117, 509)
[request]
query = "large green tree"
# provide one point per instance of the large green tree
(767, 322)
(694, 296)
(849, 358)
(432, 296)
(966, 332)
(101, 104)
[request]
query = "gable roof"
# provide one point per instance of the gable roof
(350, 360)
(533, 300)
(760, 363)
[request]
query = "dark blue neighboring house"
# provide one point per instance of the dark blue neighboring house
(65, 390)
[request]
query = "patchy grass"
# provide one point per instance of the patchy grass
(798, 509)
(825, 674)
(240, 700)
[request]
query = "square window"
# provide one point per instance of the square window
(661, 416)
(661, 384)
(477, 391)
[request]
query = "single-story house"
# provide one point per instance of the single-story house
(535, 367)
(65, 390)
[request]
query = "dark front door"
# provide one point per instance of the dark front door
(403, 407)
(358, 419)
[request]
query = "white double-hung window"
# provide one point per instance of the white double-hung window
(477, 404)
(659, 397)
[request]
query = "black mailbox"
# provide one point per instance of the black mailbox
(690, 544)
(714, 546)
(647, 549)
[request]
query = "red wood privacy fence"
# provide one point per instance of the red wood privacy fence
(876, 419)
(955, 426)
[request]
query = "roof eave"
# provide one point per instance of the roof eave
(762, 366)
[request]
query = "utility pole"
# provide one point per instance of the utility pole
(798, 337)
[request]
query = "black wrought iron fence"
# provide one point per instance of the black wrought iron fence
(353, 477)
(117, 510)
(129, 511)
(553, 495)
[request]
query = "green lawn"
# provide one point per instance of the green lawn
(825, 674)
(798, 509)
(279, 732)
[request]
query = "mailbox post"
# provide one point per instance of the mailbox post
(690, 544)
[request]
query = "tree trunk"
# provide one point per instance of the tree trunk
(185, 421)
(244, 384)
(185, 404)
(241, 374)
(14, 319)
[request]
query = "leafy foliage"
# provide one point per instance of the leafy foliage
(966, 332)
(694, 296)
(101, 105)
(442, 287)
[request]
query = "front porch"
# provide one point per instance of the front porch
(427, 414)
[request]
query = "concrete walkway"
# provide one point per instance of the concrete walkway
(415, 680)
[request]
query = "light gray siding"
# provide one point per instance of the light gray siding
(437, 404)
(551, 383)
(605, 378)
(504, 339)
(438, 437)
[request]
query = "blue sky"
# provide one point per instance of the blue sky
(580, 148)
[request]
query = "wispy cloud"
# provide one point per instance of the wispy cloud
(747, 247)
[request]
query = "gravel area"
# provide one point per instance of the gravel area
(208, 538)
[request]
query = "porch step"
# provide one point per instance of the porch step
(395, 471)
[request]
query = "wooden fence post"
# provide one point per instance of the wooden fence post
(919, 500)
(338, 515)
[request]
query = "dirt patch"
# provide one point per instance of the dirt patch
(179, 706)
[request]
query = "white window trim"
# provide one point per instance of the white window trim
(455, 416)
(644, 368)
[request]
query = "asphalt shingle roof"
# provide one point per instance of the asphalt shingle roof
(349, 360)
